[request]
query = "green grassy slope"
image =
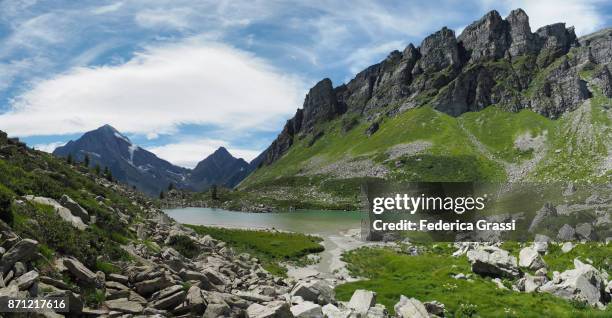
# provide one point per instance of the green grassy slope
(428, 277)
(474, 146)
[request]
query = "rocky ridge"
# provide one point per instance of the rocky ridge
(136, 166)
(494, 61)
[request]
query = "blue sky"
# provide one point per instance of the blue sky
(182, 78)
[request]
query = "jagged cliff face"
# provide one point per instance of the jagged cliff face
(495, 61)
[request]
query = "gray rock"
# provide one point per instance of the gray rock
(532, 283)
(522, 41)
(170, 301)
(75, 303)
(435, 308)
(74, 208)
(217, 310)
(438, 51)
(115, 285)
(361, 301)
(254, 297)
(80, 271)
(570, 189)
(566, 233)
(19, 269)
(215, 277)
(331, 311)
(546, 212)
(123, 305)
(530, 258)
(307, 309)
(410, 308)
(195, 301)
(378, 311)
(63, 212)
(118, 278)
(540, 243)
(23, 250)
(317, 291)
(493, 261)
(486, 38)
(567, 247)
(271, 310)
(584, 283)
(585, 231)
(26, 280)
(603, 79)
(148, 287)
(166, 292)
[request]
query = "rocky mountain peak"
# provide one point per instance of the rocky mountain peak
(493, 61)
(486, 38)
(439, 51)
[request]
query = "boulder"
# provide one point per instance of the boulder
(317, 291)
(79, 271)
(410, 308)
(307, 309)
(254, 297)
(63, 212)
(170, 301)
(195, 301)
(530, 258)
(74, 208)
(276, 309)
(493, 261)
(540, 243)
(532, 283)
(435, 308)
(546, 212)
(148, 287)
(585, 231)
(75, 303)
(215, 277)
(378, 311)
(26, 280)
(361, 301)
(166, 292)
(584, 283)
(23, 250)
(19, 269)
(331, 311)
(566, 233)
(217, 310)
(123, 305)
(567, 247)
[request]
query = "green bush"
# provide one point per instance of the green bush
(184, 245)
(6, 199)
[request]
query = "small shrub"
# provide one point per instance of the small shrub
(184, 245)
(6, 199)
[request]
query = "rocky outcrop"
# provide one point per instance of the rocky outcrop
(410, 308)
(61, 211)
(584, 283)
(493, 61)
(493, 261)
(531, 259)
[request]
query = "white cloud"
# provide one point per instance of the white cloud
(159, 89)
(584, 15)
(366, 56)
(177, 18)
(107, 8)
(48, 147)
(189, 152)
